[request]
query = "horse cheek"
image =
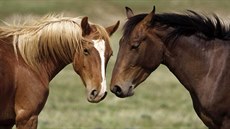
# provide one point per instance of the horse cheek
(153, 60)
(78, 62)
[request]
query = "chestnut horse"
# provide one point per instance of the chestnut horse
(32, 54)
(195, 48)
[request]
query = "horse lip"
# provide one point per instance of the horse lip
(131, 91)
(129, 94)
(104, 96)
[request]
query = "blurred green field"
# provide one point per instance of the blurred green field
(161, 102)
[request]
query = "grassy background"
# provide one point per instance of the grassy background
(161, 102)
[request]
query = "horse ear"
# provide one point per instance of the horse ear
(149, 17)
(111, 29)
(129, 12)
(86, 29)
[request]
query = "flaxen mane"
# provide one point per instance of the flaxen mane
(53, 37)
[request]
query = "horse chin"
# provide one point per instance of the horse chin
(97, 98)
(129, 94)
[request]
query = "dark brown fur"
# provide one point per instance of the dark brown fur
(199, 58)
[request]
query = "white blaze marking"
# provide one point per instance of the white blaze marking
(100, 46)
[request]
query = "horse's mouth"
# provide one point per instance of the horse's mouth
(104, 96)
(130, 92)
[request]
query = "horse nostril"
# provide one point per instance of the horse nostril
(117, 90)
(93, 94)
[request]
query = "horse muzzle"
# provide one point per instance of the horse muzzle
(95, 97)
(123, 92)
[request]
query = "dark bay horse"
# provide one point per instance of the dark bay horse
(32, 54)
(195, 48)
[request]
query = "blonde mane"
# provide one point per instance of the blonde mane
(54, 37)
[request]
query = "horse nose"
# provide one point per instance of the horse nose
(117, 90)
(93, 94)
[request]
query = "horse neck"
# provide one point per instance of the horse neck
(189, 60)
(52, 68)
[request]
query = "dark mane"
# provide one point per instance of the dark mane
(188, 24)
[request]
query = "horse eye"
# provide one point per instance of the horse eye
(135, 45)
(86, 51)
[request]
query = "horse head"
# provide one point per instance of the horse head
(90, 62)
(135, 60)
